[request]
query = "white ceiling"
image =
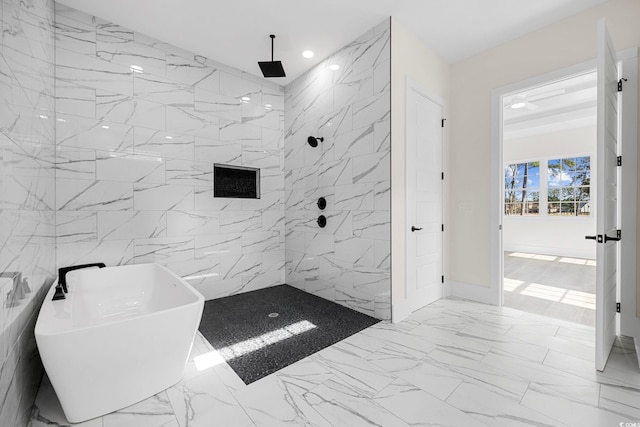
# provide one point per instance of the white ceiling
(236, 32)
(565, 104)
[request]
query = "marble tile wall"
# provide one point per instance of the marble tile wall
(135, 153)
(27, 195)
(348, 261)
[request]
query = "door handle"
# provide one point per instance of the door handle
(604, 238)
(615, 239)
(414, 228)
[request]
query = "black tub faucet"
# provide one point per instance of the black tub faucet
(62, 273)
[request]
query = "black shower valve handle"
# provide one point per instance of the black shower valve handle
(322, 203)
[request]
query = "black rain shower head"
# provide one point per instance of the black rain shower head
(272, 68)
(313, 141)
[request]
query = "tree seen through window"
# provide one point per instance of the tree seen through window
(569, 183)
(522, 189)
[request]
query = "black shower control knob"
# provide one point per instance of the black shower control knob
(322, 203)
(322, 221)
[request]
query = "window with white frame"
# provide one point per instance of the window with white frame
(522, 189)
(548, 187)
(569, 183)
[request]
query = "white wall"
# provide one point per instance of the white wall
(135, 154)
(543, 234)
(348, 261)
(27, 194)
(410, 58)
(565, 43)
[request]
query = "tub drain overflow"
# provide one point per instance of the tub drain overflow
(272, 315)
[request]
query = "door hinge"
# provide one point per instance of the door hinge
(442, 279)
(619, 160)
(620, 84)
(442, 123)
(443, 176)
(617, 307)
(442, 227)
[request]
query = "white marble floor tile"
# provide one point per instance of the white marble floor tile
(418, 408)
(437, 381)
(621, 400)
(361, 344)
(305, 373)
(465, 347)
(473, 371)
(204, 401)
(578, 333)
(155, 411)
(273, 401)
(445, 320)
(342, 405)
(556, 379)
(495, 410)
(523, 331)
(507, 344)
(562, 408)
(581, 350)
(358, 373)
(453, 363)
(390, 333)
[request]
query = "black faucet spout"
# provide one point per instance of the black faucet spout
(62, 272)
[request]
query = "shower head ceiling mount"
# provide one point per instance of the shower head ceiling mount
(272, 68)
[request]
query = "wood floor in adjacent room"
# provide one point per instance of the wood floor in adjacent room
(555, 286)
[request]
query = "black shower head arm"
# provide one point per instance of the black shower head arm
(272, 37)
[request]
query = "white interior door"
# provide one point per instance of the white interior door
(424, 199)
(628, 114)
(606, 209)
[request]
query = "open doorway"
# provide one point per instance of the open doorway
(549, 159)
(617, 293)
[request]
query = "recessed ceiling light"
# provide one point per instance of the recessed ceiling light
(517, 105)
(334, 67)
(245, 99)
(268, 106)
(307, 54)
(168, 137)
(105, 127)
(61, 120)
(42, 116)
(136, 68)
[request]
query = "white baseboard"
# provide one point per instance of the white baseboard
(400, 310)
(473, 292)
(636, 342)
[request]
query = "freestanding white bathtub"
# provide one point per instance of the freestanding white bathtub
(121, 335)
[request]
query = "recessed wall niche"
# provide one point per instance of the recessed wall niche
(236, 181)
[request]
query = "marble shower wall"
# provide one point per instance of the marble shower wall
(27, 195)
(348, 261)
(135, 154)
